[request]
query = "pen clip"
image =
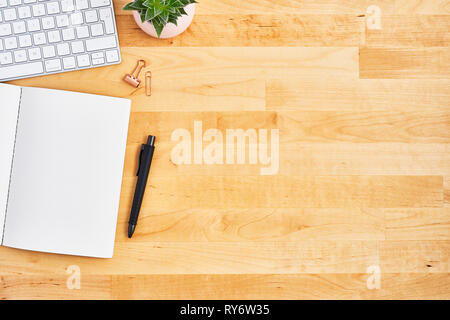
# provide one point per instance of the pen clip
(140, 160)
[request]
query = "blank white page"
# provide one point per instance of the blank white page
(9, 109)
(67, 173)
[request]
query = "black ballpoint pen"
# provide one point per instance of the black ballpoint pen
(145, 161)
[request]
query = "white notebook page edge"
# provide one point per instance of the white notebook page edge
(9, 113)
(67, 173)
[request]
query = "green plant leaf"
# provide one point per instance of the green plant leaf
(158, 27)
(164, 17)
(142, 14)
(173, 20)
(151, 13)
(135, 5)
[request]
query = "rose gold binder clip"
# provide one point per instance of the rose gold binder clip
(133, 78)
(148, 83)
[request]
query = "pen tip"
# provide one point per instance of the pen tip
(131, 228)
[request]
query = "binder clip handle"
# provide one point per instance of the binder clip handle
(133, 78)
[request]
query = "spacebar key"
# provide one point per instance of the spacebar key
(101, 43)
(21, 70)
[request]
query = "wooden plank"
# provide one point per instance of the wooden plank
(447, 191)
(417, 224)
(297, 158)
(309, 256)
(253, 62)
(414, 256)
(410, 31)
(294, 29)
(331, 93)
(339, 126)
(289, 224)
(404, 63)
(251, 225)
(301, 286)
(427, 126)
(253, 30)
(20, 287)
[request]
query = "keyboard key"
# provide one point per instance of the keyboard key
(34, 53)
(53, 36)
(112, 56)
(3, 3)
(83, 61)
(9, 14)
(20, 56)
(107, 17)
(39, 38)
(82, 32)
(53, 65)
(52, 7)
(21, 70)
(29, 1)
(77, 47)
(69, 63)
(5, 58)
(24, 12)
(33, 25)
(15, 2)
(97, 30)
(62, 20)
(68, 34)
(5, 29)
(67, 6)
(99, 3)
(101, 43)
(91, 16)
(19, 27)
(10, 43)
(81, 4)
(48, 51)
(1, 44)
(38, 10)
(97, 55)
(63, 49)
(48, 23)
(76, 18)
(25, 41)
(98, 61)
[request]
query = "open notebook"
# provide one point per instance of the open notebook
(61, 165)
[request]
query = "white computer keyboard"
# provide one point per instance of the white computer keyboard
(39, 37)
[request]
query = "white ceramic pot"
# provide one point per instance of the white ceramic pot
(170, 30)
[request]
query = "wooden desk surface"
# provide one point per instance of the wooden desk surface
(364, 160)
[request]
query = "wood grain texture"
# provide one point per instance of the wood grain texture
(256, 30)
(256, 257)
(364, 161)
(283, 286)
(403, 63)
(336, 93)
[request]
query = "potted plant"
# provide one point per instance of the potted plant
(162, 18)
